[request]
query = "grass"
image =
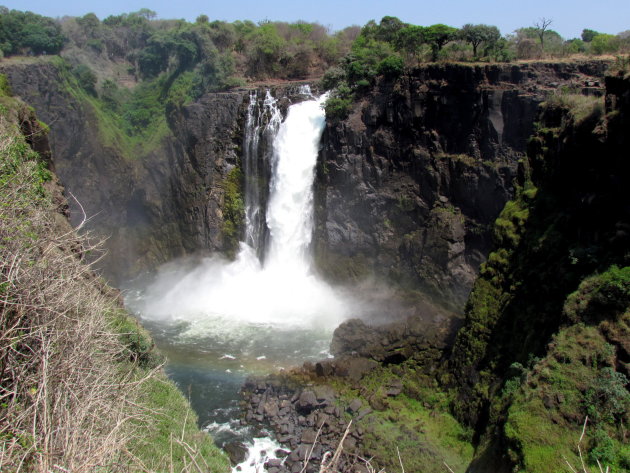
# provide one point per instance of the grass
(172, 440)
(580, 107)
(81, 387)
(547, 413)
(416, 422)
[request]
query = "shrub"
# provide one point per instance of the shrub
(86, 78)
(337, 108)
(391, 67)
(600, 296)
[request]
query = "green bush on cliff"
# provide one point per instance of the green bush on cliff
(233, 210)
(600, 296)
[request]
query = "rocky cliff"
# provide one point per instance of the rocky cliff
(151, 203)
(410, 183)
(407, 186)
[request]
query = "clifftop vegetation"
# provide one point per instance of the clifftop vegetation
(135, 66)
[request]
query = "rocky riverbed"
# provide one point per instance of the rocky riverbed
(309, 421)
(305, 410)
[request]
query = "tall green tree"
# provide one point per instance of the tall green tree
(437, 36)
(409, 39)
(27, 32)
(477, 34)
(589, 35)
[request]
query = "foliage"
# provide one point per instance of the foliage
(547, 411)
(338, 107)
(437, 36)
(604, 44)
(478, 34)
(417, 416)
(588, 35)
(86, 78)
(28, 33)
(607, 399)
(233, 209)
(604, 295)
(390, 67)
(579, 107)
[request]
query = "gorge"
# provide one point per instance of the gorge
(406, 193)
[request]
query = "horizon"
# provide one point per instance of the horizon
(568, 21)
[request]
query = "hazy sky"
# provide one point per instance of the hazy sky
(569, 16)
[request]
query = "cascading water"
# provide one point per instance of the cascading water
(282, 293)
(219, 321)
(260, 129)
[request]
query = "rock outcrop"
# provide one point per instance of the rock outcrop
(150, 204)
(410, 183)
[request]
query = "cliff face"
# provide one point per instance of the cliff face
(553, 296)
(407, 186)
(165, 201)
(410, 183)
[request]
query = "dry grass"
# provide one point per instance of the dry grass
(580, 107)
(64, 401)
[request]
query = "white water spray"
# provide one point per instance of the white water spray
(228, 299)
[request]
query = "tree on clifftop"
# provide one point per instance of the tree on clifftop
(28, 33)
(541, 26)
(477, 34)
(437, 36)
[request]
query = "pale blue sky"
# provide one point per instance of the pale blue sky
(569, 16)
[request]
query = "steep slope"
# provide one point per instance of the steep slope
(80, 382)
(152, 200)
(570, 220)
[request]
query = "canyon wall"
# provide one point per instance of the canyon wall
(411, 182)
(150, 204)
(407, 187)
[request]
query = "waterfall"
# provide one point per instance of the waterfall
(261, 127)
(290, 211)
(218, 321)
(281, 292)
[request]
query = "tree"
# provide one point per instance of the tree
(388, 28)
(391, 67)
(588, 35)
(409, 39)
(24, 32)
(437, 36)
(477, 34)
(605, 44)
(541, 26)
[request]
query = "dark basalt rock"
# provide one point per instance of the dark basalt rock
(410, 183)
(309, 421)
(236, 451)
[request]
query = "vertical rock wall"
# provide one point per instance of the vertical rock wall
(411, 182)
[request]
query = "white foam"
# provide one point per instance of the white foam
(259, 451)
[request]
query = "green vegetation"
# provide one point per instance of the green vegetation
(26, 32)
(575, 379)
(233, 210)
(81, 384)
(416, 422)
(546, 325)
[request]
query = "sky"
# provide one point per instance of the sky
(569, 16)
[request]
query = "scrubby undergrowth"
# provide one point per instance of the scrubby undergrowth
(80, 385)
